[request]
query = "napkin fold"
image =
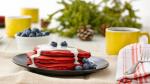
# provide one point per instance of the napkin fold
(128, 56)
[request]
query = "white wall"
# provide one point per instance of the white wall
(12, 7)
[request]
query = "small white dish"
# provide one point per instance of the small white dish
(29, 43)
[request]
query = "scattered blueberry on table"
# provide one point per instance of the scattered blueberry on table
(64, 44)
(35, 32)
(54, 44)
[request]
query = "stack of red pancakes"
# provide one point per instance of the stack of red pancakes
(57, 59)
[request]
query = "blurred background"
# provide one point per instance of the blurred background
(12, 8)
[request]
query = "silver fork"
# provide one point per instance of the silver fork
(143, 58)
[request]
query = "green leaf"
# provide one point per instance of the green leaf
(77, 13)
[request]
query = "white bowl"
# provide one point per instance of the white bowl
(29, 43)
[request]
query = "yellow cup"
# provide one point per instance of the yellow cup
(33, 12)
(17, 24)
(118, 37)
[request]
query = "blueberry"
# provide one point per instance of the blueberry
(92, 65)
(32, 35)
(64, 44)
(19, 33)
(54, 44)
(33, 32)
(24, 35)
(28, 31)
(86, 66)
(38, 34)
(78, 67)
(36, 30)
(45, 33)
(85, 60)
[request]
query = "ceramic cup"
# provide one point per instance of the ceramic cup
(33, 12)
(118, 37)
(16, 24)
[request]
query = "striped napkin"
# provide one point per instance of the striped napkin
(128, 56)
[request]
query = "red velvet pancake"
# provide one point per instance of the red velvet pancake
(57, 59)
(64, 53)
(53, 63)
(46, 59)
(66, 66)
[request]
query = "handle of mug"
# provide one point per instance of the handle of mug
(147, 37)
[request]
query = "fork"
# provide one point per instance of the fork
(143, 58)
